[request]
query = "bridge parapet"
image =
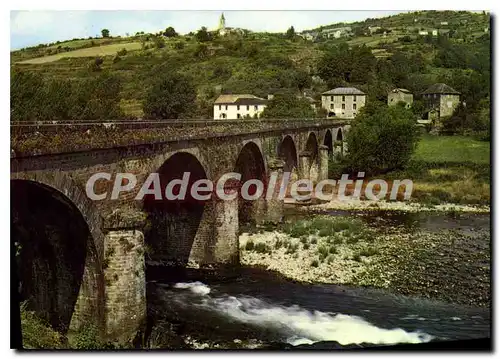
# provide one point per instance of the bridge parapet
(45, 138)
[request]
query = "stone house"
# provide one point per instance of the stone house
(343, 102)
(441, 101)
(337, 33)
(400, 95)
(232, 107)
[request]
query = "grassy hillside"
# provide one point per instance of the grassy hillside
(258, 63)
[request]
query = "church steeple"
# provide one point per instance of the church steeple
(222, 22)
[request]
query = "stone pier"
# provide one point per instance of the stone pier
(274, 203)
(323, 162)
(124, 276)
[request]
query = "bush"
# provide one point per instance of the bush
(315, 263)
(159, 42)
(261, 248)
(37, 334)
(381, 139)
(249, 246)
(122, 52)
(179, 45)
(201, 51)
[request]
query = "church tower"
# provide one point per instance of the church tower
(222, 22)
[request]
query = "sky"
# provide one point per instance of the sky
(28, 28)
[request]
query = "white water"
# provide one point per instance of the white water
(195, 287)
(301, 326)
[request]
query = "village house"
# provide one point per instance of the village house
(311, 36)
(337, 32)
(232, 107)
(400, 95)
(343, 102)
(441, 101)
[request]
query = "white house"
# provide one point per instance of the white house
(423, 32)
(343, 102)
(232, 107)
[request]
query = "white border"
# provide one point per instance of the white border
(192, 5)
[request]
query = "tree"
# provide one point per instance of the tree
(96, 98)
(288, 105)
(105, 33)
(381, 139)
(170, 32)
(172, 96)
(202, 35)
(290, 33)
(26, 96)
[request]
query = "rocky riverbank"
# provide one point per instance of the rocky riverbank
(445, 257)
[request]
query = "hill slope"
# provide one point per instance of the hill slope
(262, 63)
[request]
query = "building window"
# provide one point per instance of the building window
(248, 107)
(238, 115)
(226, 107)
(331, 98)
(343, 106)
(220, 107)
(331, 105)
(256, 107)
(343, 98)
(354, 98)
(353, 106)
(238, 108)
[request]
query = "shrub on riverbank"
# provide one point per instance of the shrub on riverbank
(325, 227)
(381, 139)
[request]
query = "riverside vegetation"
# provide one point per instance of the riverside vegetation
(450, 264)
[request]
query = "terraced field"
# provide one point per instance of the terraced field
(106, 50)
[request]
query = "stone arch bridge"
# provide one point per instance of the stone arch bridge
(83, 262)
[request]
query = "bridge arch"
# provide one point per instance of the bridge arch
(58, 236)
(338, 142)
(175, 222)
(287, 151)
(312, 150)
(328, 141)
(251, 165)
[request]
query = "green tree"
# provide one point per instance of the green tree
(172, 96)
(26, 96)
(288, 105)
(105, 33)
(381, 139)
(170, 32)
(96, 98)
(202, 35)
(290, 33)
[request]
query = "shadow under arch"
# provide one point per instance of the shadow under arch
(174, 223)
(54, 243)
(287, 151)
(328, 141)
(250, 164)
(339, 140)
(312, 149)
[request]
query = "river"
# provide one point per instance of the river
(263, 309)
